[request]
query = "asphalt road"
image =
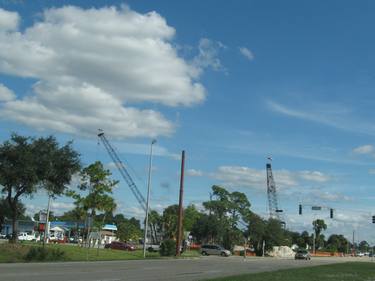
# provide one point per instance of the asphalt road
(174, 269)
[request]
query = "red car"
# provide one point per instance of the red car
(120, 246)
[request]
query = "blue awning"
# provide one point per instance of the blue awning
(110, 227)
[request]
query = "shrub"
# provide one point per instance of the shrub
(168, 248)
(44, 254)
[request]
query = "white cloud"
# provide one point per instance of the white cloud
(8, 20)
(61, 207)
(364, 149)
(144, 149)
(58, 208)
(328, 196)
(111, 166)
(208, 56)
(91, 64)
(315, 176)
(6, 94)
(194, 173)
(246, 53)
(329, 114)
(237, 176)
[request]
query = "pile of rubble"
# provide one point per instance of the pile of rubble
(282, 252)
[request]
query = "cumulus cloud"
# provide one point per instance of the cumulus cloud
(237, 176)
(364, 149)
(6, 94)
(194, 173)
(8, 20)
(91, 64)
(246, 53)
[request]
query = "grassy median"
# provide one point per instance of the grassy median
(17, 253)
(350, 271)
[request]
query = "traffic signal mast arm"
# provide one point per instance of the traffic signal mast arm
(124, 173)
(316, 208)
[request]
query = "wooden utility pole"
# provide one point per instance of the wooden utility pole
(180, 206)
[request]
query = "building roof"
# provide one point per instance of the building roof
(110, 227)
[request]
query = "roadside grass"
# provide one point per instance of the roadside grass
(16, 253)
(350, 271)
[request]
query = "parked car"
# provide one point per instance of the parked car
(24, 236)
(214, 250)
(3, 236)
(120, 246)
(153, 248)
(302, 255)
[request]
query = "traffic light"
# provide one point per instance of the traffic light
(373, 219)
(331, 213)
(300, 209)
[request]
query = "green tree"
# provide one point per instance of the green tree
(275, 235)
(170, 217)
(28, 165)
(338, 243)
(319, 225)
(256, 231)
(5, 211)
(364, 246)
(119, 218)
(155, 221)
(191, 215)
(129, 229)
(206, 229)
(96, 183)
(98, 187)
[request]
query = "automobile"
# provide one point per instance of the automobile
(24, 236)
(3, 236)
(207, 250)
(153, 248)
(116, 245)
(359, 254)
(302, 255)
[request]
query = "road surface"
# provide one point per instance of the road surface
(168, 269)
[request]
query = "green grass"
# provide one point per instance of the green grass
(350, 271)
(16, 253)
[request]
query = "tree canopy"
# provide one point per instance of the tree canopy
(28, 165)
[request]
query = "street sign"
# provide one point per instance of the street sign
(316, 208)
(42, 217)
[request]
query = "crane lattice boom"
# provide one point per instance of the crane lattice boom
(271, 193)
(124, 173)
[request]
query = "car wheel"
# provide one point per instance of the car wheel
(204, 253)
(223, 254)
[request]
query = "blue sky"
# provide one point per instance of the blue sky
(231, 83)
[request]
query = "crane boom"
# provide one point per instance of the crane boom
(271, 194)
(124, 173)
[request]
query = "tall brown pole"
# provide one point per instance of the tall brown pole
(180, 205)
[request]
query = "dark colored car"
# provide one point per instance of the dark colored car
(302, 255)
(120, 246)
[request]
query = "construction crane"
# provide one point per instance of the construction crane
(274, 211)
(124, 173)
